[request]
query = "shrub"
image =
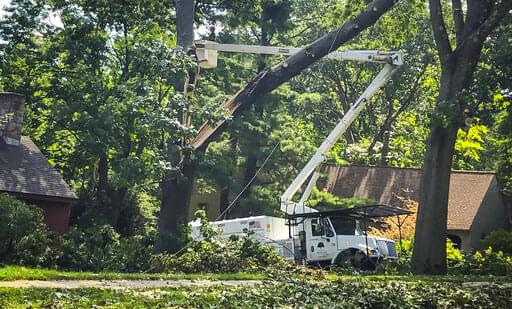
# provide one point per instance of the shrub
(100, 248)
(133, 254)
(488, 262)
(499, 240)
(89, 249)
(24, 238)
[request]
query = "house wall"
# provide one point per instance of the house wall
(56, 217)
(491, 215)
(55, 213)
(208, 199)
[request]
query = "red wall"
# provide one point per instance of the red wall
(56, 217)
(56, 213)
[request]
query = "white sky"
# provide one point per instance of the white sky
(2, 4)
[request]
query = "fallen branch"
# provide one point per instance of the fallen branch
(271, 78)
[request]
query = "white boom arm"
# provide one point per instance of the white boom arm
(290, 207)
(207, 52)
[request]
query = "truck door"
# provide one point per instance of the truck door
(320, 240)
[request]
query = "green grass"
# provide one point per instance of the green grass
(93, 298)
(10, 273)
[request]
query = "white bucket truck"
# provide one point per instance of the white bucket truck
(305, 234)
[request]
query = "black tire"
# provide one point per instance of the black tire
(351, 258)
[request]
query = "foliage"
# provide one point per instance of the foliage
(504, 120)
(469, 147)
(100, 248)
(487, 262)
(212, 254)
(285, 292)
(24, 238)
(499, 240)
(323, 200)
(100, 95)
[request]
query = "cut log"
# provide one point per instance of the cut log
(271, 78)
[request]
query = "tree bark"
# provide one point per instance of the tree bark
(185, 10)
(457, 66)
(177, 189)
(271, 78)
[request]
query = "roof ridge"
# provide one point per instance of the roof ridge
(410, 168)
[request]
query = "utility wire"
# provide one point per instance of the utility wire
(232, 204)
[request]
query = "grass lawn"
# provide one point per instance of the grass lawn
(9, 273)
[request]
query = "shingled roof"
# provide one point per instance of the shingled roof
(24, 169)
(387, 185)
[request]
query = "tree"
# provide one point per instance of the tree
(101, 102)
(458, 53)
(177, 185)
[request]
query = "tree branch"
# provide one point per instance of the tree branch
(271, 78)
(458, 20)
(403, 107)
(497, 13)
(439, 29)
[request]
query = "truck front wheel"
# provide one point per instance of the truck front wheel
(352, 258)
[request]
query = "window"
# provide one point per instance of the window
(456, 240)
(317, 228)
(328, 229)
(344, 226)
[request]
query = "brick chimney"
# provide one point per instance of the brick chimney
(11, 117)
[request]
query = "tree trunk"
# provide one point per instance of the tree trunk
(176, 192)
(430, 236)
(384, 161)
(177, 189)
(429, 256)
(185, 10)
(103, 174)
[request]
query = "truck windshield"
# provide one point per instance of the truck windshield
(344, 226)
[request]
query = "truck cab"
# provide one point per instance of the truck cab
(337, 237)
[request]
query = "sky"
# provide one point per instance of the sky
(2, 4)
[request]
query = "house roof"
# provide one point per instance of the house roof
(24, 169)
(389, 185)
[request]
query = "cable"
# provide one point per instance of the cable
(249, 183)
